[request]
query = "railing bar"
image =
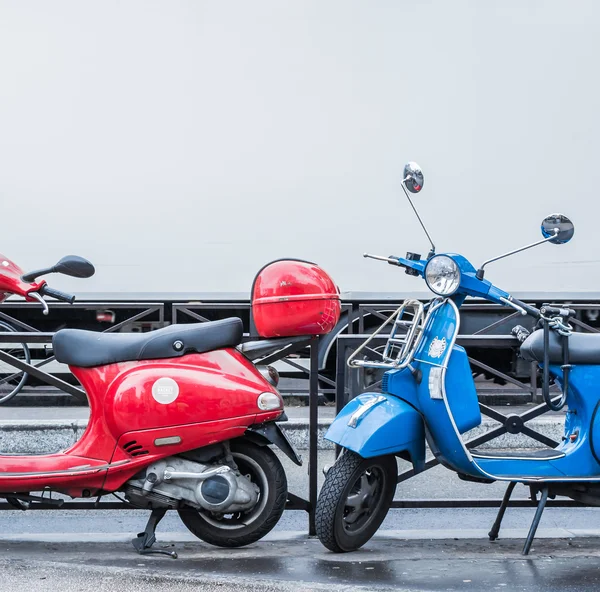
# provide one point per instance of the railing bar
(490, 412)
(284, 351)
(297, 366)
(537, 411)
(20, 323)
(38, 365)
(408, 473)
(139, 315)
(480, 503)
(47, 378)
(498, 373)
(299, 503)
(474, 442)
(539, 437)
(488, 328)
(194, 315)
(584, 325)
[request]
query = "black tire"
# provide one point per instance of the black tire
(244, 528)
(371, 482)
(11, 379)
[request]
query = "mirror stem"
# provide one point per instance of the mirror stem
(33, 275)
(432, 251)
(481, 272)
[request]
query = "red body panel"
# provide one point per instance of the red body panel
(292, 297)
(216, 401)
(11, 282)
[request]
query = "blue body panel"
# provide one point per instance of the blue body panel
(390, 427)
(443, 404)
(580, 455)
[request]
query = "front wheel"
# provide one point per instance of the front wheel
(262, 467)
(354, 500)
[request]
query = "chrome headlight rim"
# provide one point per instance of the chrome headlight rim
(457, 268)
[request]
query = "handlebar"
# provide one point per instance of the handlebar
(547, 310)
(57, 294)
(531, 310)
(392, 260)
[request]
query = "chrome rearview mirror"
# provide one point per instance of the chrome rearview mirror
(557, 229)
(413, 177)
(412, 181)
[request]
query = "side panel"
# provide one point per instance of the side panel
(461, 392)
(389, 426)
(211, 397)
(445, 369)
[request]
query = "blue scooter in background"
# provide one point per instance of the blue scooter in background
(428, 395)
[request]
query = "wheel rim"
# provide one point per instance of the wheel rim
(11, 379)
(363, 500)
(233, 521)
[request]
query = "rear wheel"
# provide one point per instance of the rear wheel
(11, 379)
(263, 468)
(354, 500)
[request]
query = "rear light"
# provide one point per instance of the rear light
(105, 316)
(270, 374)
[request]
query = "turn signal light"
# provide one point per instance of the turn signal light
(269, 402)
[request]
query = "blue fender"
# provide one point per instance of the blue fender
(374, 424)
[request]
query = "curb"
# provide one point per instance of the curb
(48, 436)
(283, 536)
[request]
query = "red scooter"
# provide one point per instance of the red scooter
(180, 418)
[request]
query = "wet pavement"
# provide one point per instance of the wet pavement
(303, 564)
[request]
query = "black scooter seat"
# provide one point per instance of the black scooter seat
(584, 348)
(86, 349)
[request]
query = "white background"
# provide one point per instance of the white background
(180, 145)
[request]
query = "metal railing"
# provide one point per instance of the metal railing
(341, 386)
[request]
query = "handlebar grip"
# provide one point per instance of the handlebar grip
(57, 294)
(553, 310)
(531, 310)
(394, 260)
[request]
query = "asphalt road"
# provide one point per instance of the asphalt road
(303, 565)
(416, 549)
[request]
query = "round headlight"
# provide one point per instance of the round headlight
(442, 275)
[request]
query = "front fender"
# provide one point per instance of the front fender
(384, 424)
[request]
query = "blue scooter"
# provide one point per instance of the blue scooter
(428, 395)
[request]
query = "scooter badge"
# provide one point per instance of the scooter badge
(437, 347)
(165, 390)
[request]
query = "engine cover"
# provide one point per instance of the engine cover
(212, 487)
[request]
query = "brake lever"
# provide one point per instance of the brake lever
(513, 305)
(36, 296)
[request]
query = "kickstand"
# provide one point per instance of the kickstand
(536, 520)
(144, 540)
(493, 534)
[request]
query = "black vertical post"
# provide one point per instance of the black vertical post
(340, 376)
(340, 382)
(313, 427)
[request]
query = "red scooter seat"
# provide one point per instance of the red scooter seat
(86, 349)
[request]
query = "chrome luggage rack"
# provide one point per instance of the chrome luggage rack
(403, 341)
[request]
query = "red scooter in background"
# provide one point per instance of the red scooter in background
(179, 417)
